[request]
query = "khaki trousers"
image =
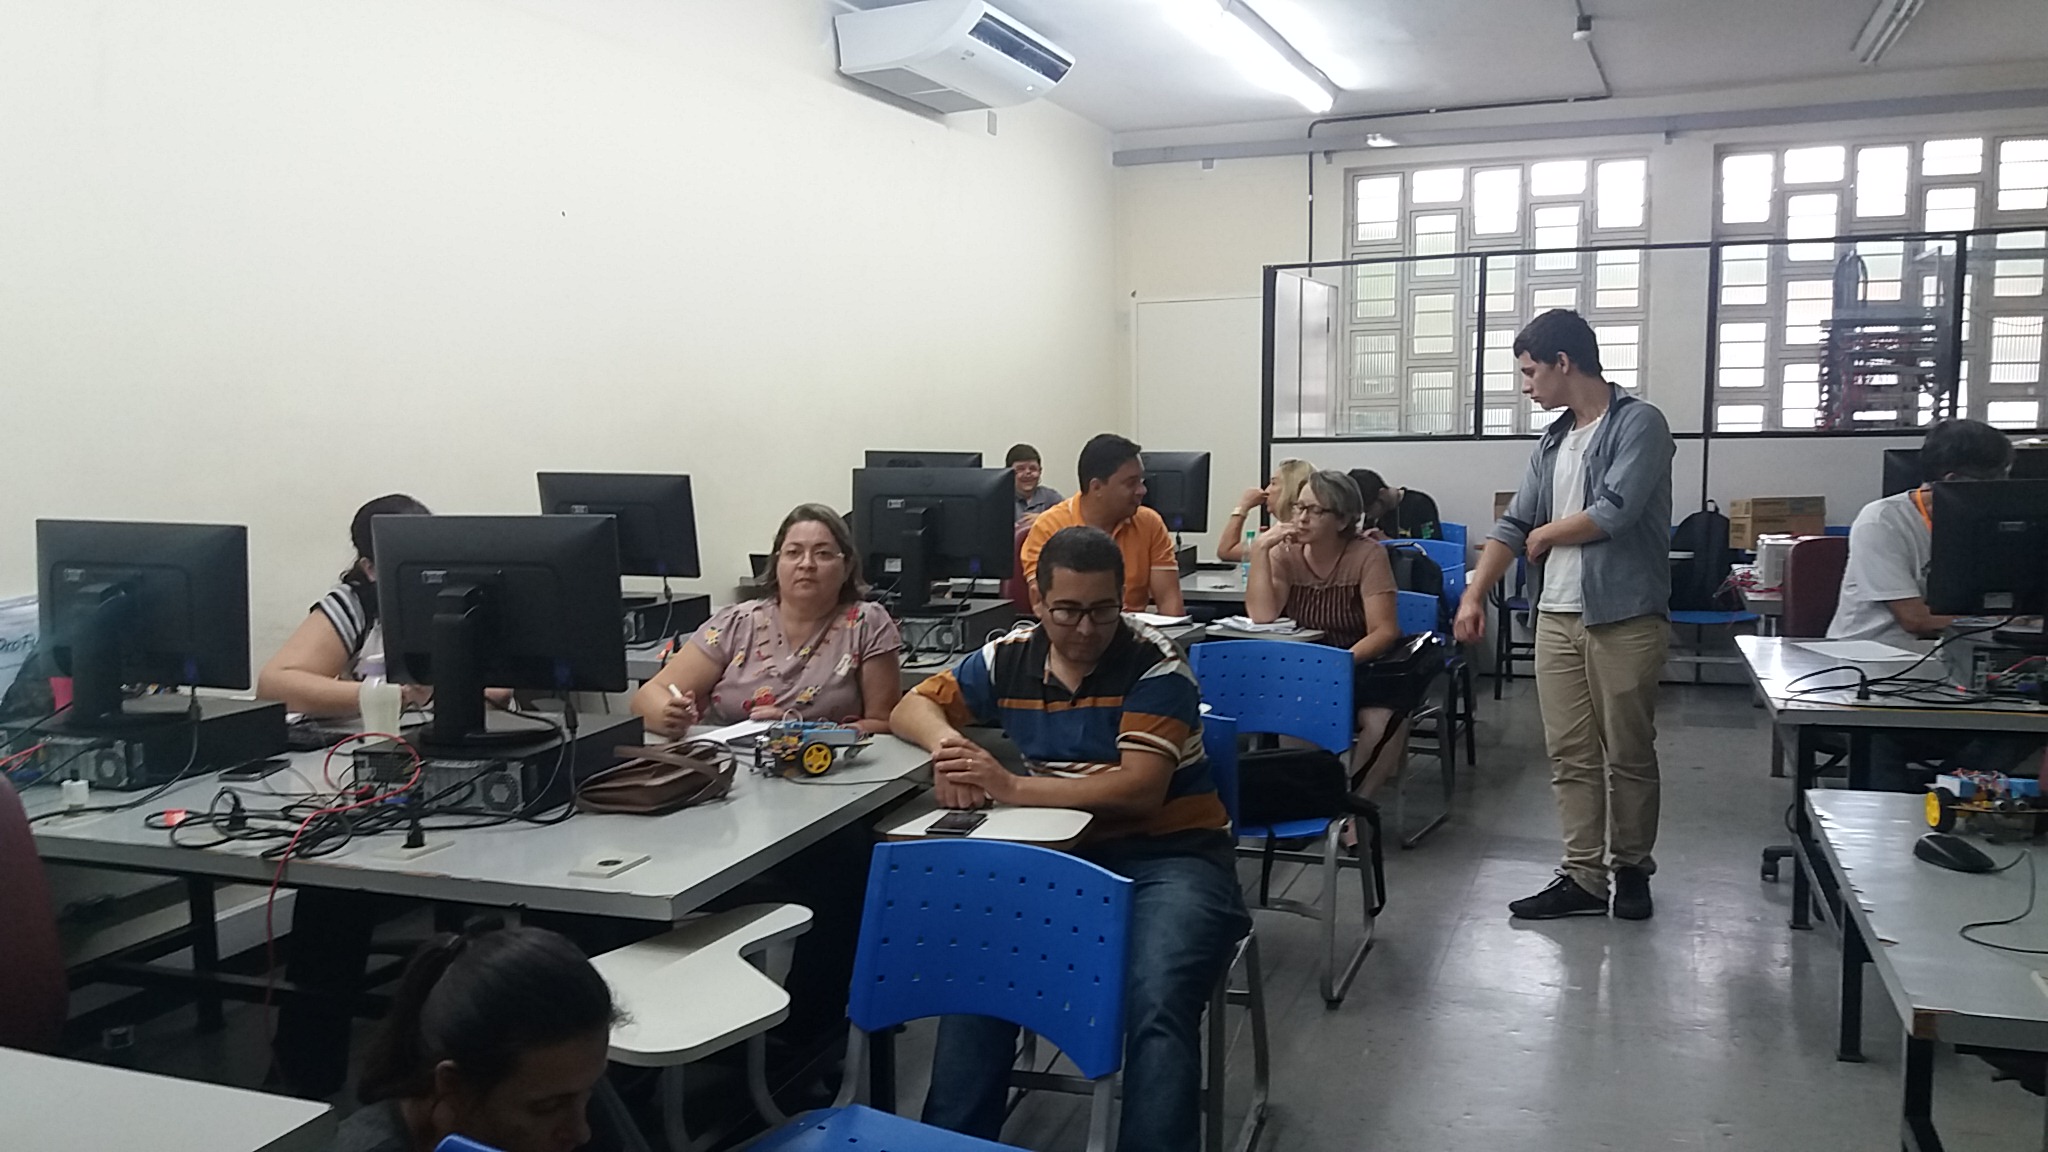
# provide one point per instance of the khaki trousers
(1597, 689)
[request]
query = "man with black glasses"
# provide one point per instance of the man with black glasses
(1108, 717)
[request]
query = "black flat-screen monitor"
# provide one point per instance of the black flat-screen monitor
(137, 603)
(1177, 487)
(657, 518)
(1990, 554)
(917, 525)
(506, 601)
(1902, 467)
(923, 459)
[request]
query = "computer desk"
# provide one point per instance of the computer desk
(1774, 663)
(51, 1103)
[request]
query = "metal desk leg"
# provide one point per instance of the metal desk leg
(1859, 759)
(1855, 954)
(1802, 827)
(1916, 1131)
(205, 931)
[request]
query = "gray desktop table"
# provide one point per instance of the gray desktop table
(1779, 668)
(1208, 587)
(1945, 989)
(51, 1103)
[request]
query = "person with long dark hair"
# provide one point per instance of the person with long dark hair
(339, 644)
(500, 1037)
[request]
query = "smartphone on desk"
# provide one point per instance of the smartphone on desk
(958, 823)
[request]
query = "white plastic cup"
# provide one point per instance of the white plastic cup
(382, 704)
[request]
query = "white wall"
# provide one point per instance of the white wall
(264, 261)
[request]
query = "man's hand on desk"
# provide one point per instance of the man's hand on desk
(964, 775)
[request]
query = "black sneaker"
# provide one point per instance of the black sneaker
(1631, 893)
(1564, 897)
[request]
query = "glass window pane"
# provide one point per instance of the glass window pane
(1431, 332)
(1544, 299)
(1620, 186)
(1950, 209)
(2015, 349)
(1807, 303)
(1496, 201)
(1745, 273)
(1438, 186)
(1811, 214)
(1620, 352)
(1741, 356)
(2022, 175)
(1884, 264)
(1952, 157)
(1821, 165)
(1430, 398)
(1738, 418)
(2023, 240)
(1378, 206)
(2016, 278)
(2013, 413)
(1435, 233)
(1881, 181)
(1373, 297)
(1617, 280)
(1801, 386)
(1500, 291)
(1374, 367)
(1557, 226)
(1746, 186)
(1557, 178)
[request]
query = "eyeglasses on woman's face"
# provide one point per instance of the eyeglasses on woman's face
(1304, 511)
(820, 555)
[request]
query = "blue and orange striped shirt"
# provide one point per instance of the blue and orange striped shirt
(1141, 696)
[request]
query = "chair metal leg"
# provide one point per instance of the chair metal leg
(1336, 983)
(757, 1081)
(1471, 720)
(1447, 756)
(674, 1129)
(1214, 1058)
(620, 1121)
(1100, 1112)
(1253, 999)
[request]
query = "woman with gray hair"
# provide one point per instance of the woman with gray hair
(1319, 570)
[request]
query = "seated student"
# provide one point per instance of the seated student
(1112, 498)
(339, 644)
(1277, 498)
(1107, 715)
(810, 648)
(1884, 598)
(1033, 497)
(1320, 571)
(1396, 513)
(500, 1037)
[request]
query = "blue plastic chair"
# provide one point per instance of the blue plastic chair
(1456, 534)
(1448, 556)
(1416, 612)
(1285, 688)
(1509, 602)
(1219, 744)
(979, 928)
(1699, 622)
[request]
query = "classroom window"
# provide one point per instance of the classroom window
(1868, 322)
(1413, 325)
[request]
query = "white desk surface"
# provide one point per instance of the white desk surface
(48, 1103)
(1944, 987)
(694, 855)
(1774, 662)
(1051, 827)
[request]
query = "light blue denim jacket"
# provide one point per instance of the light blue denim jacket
(1628, 494)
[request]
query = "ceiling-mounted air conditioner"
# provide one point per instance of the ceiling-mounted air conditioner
(949, 55)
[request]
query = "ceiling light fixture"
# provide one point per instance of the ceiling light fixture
(1887, 21)
(1234, 31)
(1375, 140)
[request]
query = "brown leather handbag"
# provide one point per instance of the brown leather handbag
(658, 779)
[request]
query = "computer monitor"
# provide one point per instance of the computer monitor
(1990, 555)
(1902, 467)
(921, 524)
(657, 518)
(923, 459)
(503, 601)
(1177, 487)
(137, 603)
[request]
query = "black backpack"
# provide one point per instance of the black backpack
(1414, 571)
(1696, 579)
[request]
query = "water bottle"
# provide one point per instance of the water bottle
(1244, 560)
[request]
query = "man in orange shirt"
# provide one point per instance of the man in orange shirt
(1111, 497)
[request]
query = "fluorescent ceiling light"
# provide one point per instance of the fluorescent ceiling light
(1375, 140)
(1227, 29)
(1887, 21)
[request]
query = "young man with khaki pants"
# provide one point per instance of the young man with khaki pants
(1593, 515)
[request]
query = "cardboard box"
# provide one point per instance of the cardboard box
(1768, 515)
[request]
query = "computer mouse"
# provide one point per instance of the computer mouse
(1952, 852)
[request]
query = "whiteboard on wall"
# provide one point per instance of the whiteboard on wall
(1197, 390)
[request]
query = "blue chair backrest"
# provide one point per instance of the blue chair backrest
(1219, 744)
(1451, 558)
(1456, 534)
(987, 928)
(1416, 611)
(1282, 687)
(1835, 529)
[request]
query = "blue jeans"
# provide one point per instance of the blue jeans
(1187, 916)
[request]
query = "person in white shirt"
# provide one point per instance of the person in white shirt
(1884, 587)
(1884, 598)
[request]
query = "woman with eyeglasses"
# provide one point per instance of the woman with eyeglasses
(811, 648)
(1319, 570)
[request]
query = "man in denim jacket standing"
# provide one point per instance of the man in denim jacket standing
(1593, 515)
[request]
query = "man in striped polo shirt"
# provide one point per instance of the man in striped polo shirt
(1108, 717)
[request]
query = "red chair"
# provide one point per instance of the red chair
(36, 1000)
(1016, 589)
(1813, 583)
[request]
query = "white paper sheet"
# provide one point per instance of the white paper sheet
(1158, 621)
(1862, 651)
(1244, 624)
(744, 730)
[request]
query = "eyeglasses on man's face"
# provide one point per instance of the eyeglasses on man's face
(1069, 615)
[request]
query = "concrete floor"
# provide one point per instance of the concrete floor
(1710, 1026)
